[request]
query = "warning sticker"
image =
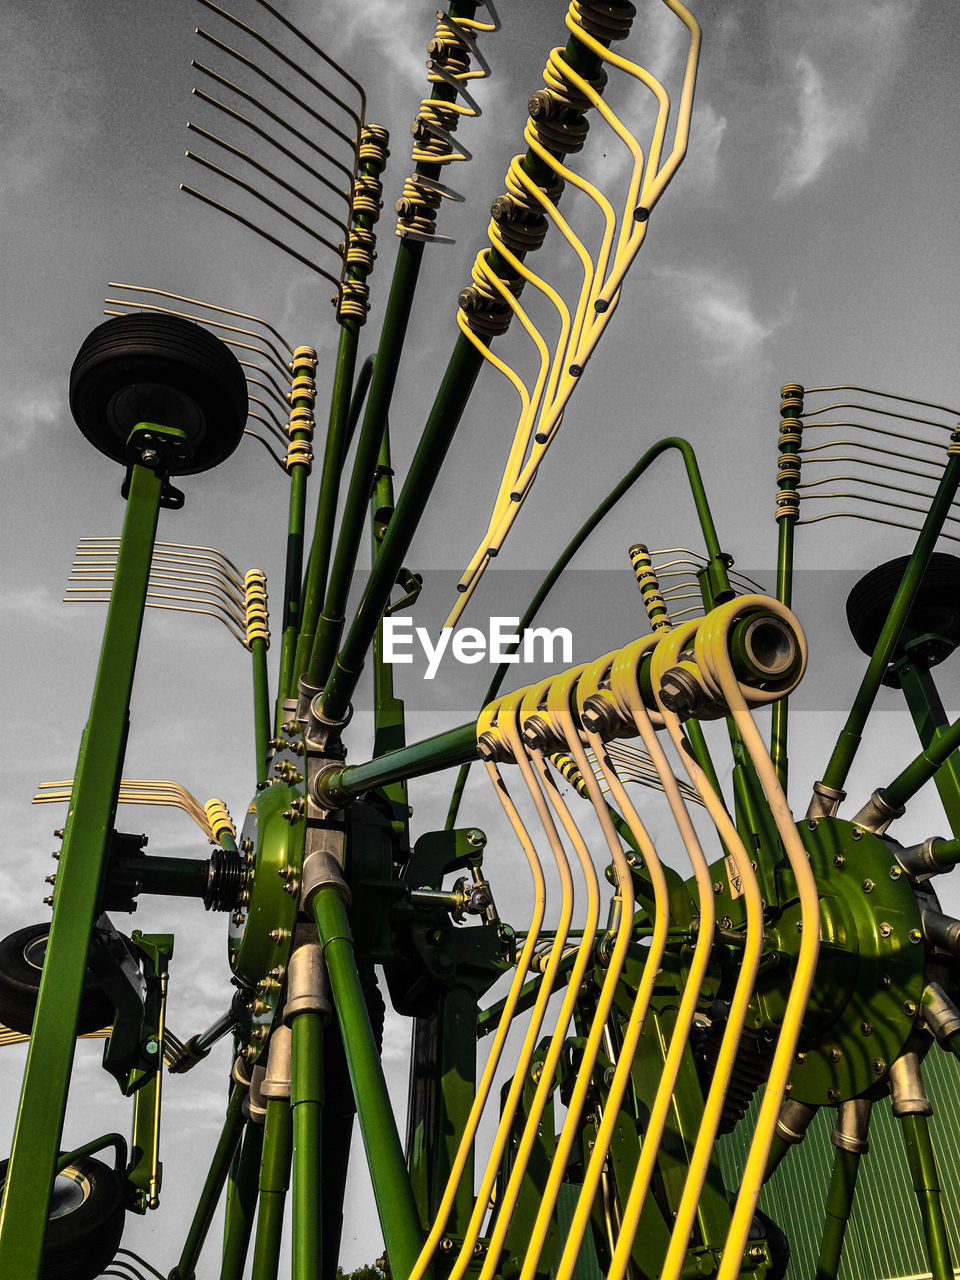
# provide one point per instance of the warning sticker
(734, 876)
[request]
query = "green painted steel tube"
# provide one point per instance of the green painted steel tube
(711, 543)
(36, 1141)
(273, 1184)
(293, 572)
(213, 1185)
(261, 705)
(378, 1126)
(242, 1190)
(926, 1183)
(843, 1182)
(931, 721)
(923, 767)
(427, 756)
(395, 321)
(306, 1106)
(780, 712)
(334, 453)
(835, 774)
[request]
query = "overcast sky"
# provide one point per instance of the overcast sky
(811, 235)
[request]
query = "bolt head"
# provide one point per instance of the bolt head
(885, 929)
(476, 838)
(879, 1066)
(909, 1008)
(916, 935)
(839, 860)
(833, 1095)
(866, 1028)
(867, 886)
(896, 872)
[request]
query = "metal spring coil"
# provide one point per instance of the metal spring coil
(750, 1069)
(225, 877)
(367, 191)
(788, 462)
(449, 63)
(649, 585)
(604, 21)
(218, 815)
(557, 122)
(567, 767)
(484, 309)
(373, 146)
(305, 356)
(353, 301)
(257, 617)
(361, 249)
(299, 454)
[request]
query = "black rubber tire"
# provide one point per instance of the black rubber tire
(936, 609)
(21, 956)
(82, 1240)
(162, 369)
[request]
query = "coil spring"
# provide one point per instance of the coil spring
(567, 767)
(255, 604)
(449, 63)
(788, 462)
(225, 875)
(649, 585)
(299, 454)
(481, 304)
(604, 21)
(305, 357)
(218, 815)
(750, 1069)
(558, 124)
(373, 146)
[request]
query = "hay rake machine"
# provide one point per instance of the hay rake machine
(642, 1074)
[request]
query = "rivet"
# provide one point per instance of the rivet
(839, 860)
(909, 1008)
(879, 1066)
(833, 1095)
(885, 929)
(867, 886)
(916, 935)
(866, 1028)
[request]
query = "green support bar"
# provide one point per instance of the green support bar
(931, 722)
(87, 832)
(213, 1186)
(788, 512)
(306, 1105)
(301, 431)
(843, 1182)
(835, 774)
(378, 1126)
(926, 1183)
(273, 1184)
(414, 761)
(242, 1189)
(334, 454)
(261, 705)
(924, 767)
(396, 319)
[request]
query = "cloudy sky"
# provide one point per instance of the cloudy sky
(811, 236)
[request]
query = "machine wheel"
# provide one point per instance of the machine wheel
(162, 369)
(21, 960)
(934, 612)
(86, 1220)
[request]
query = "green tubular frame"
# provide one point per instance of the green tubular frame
(241, 1203)
(926, 1183)
(216, 1178)
(306, 1107)
(273, 1185)
(843, 1182)
(261, 705)
(385, 1158)
(931, 722)
(82, 859)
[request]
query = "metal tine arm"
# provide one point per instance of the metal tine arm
(879, 431)
(862, 515)
(886, 413)
(881, 463)
(294, 66)
(331, 62)
(207, 306)
(260, 168)
(92, 560)
(877, 484)
(154, 601)
(287, 93)
(865, 497)
(268, 348)
(278, 119)
(275, 456)
(185, 581)
(698, 561)
(286, 151)
(203, 553)
(270, 388)
(136, 791)
(252, 226)
(273, 423)
(886, 395)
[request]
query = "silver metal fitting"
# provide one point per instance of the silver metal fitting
(876, 815)
(939, 1012)
(255, 1104)
(322, 867)
(308, 989)
(919, 861)
(853, 1122)
(276, 1082)
(943, 931)
(907, 1094)
(825, 801)
(794, 1120)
